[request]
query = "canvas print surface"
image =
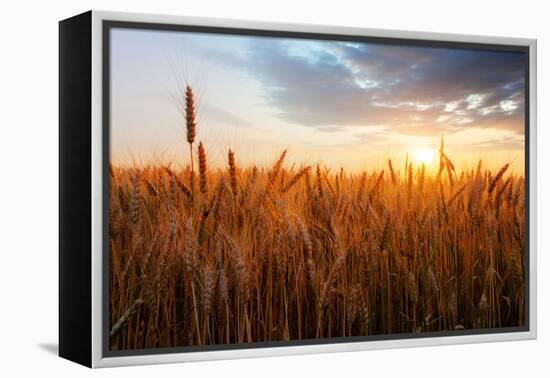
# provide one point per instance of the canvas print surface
(283, 190)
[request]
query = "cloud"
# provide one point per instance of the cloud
(322, 84)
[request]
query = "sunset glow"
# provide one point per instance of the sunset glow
(424, 155)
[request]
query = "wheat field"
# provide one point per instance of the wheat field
(203, 256)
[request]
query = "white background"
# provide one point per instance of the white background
(29, 190)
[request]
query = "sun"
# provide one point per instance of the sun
(424, 155)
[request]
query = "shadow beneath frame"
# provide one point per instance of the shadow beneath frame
(52, 348)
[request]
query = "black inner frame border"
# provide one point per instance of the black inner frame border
(108, 25)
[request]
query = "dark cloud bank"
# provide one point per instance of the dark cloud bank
(415, 90)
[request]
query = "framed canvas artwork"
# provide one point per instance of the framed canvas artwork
(234, 189)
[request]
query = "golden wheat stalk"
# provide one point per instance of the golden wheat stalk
(301, 173)
(232, 171)
(203, 180)
(497, 177)
(191, 126)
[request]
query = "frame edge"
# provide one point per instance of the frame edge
(75, 287)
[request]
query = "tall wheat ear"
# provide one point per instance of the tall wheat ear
(191, 127)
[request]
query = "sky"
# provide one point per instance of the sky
(341, 104)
